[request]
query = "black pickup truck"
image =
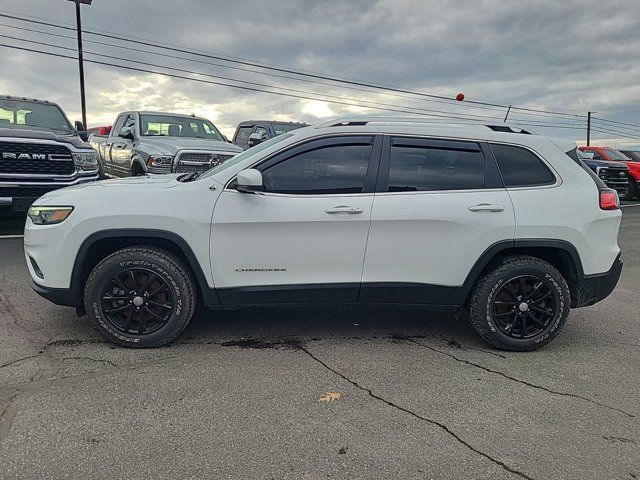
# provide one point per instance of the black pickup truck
(40, 151)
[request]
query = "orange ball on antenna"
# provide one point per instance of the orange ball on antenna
(460, 97)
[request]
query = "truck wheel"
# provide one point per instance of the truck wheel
(140, 297)
(521, 304)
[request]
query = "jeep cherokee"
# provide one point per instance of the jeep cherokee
(510, 225)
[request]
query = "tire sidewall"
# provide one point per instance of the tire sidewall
(142, 260)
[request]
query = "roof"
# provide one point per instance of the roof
(398, 125)
(25, 99)
(167, 114)
(273, 121)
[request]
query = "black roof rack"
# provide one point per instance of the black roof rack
(507, 129)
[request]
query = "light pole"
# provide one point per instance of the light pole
(80, 60)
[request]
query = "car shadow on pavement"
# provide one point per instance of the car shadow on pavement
(322, 322)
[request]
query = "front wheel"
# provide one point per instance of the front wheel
(521, 304)
(140, 297)
(632, 192)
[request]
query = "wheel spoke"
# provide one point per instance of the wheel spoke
(542, 311)
(162, 305)
(536, 321)
(504, 302)
(158, 290)
(148, 282)
(522, 286)
(118, 309)
(127, 323)
(132, 277)
(542, 298)
(154, 314)
(141, 323)
(120, 284)
(523, 329)
(535, 289)
(505, 314)
(511, 292)
(113, 299)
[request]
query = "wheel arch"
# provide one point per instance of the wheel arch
(100, 244)
(137, 163)
(559, 253)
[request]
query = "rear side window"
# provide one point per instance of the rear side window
(415, 168)
(520, 167)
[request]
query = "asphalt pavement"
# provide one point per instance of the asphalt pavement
(318, 392)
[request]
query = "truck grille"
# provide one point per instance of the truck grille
(25, 192)
(615, 178)
(35, 158)
(199, 161)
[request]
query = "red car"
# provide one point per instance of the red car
(612, 155)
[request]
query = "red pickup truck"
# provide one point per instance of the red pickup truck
(612, 155)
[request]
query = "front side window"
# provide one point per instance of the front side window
(415, 168)
(242, 137)
(177, 126)
(337, 169)
(616, 155)
(521, 167)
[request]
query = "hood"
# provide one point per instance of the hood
(605, 163)
(171, 145)
(119, 188)
(71, 139)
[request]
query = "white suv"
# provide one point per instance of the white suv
(510, 225)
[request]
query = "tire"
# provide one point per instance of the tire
(140, 297)
(503, 314)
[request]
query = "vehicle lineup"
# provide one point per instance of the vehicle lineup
(152, 142)
(364, 210)
(40, 151)
(630, 158)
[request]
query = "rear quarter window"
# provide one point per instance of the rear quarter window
(521, 167)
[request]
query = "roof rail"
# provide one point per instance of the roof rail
(362, 120)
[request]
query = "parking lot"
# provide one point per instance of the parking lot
(318, 392)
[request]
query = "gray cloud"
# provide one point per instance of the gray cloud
(577, 55)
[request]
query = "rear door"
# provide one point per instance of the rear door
(303, 239)
(439, 205)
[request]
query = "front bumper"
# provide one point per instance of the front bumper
(59, 296)
(20, 195)
(595, 288)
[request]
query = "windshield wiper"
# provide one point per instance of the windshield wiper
(188, 177)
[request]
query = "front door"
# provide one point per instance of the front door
(303, 239)
(440, 204)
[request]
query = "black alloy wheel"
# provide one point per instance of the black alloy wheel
(525, 306)
(137, 300)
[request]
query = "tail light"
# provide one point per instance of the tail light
(609, 199)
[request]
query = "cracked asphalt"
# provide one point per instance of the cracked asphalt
(416, 395)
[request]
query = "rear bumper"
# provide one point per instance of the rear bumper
(595, 288)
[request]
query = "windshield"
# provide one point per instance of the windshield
(175, 126)
(33, 116)
(633, 156)
(281, 128)
(246, 154)
(615, 155)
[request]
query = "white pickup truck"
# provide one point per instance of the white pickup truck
(153, 142)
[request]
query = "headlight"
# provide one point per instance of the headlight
(49, 215)
(86, 161)
(159, 161)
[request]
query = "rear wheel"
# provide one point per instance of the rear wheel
(140, 297)
(521, 304)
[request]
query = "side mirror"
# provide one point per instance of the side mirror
(126, 132)
(82, 132)
(249, 181)
(254, 139)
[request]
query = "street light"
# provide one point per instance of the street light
(80, 61)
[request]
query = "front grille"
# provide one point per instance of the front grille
(50, 159)
(25, 192)
(199, 161)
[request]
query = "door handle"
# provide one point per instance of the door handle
(486, 207)
(344, 209)
(119, 146)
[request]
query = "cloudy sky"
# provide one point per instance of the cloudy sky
(567, 56)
